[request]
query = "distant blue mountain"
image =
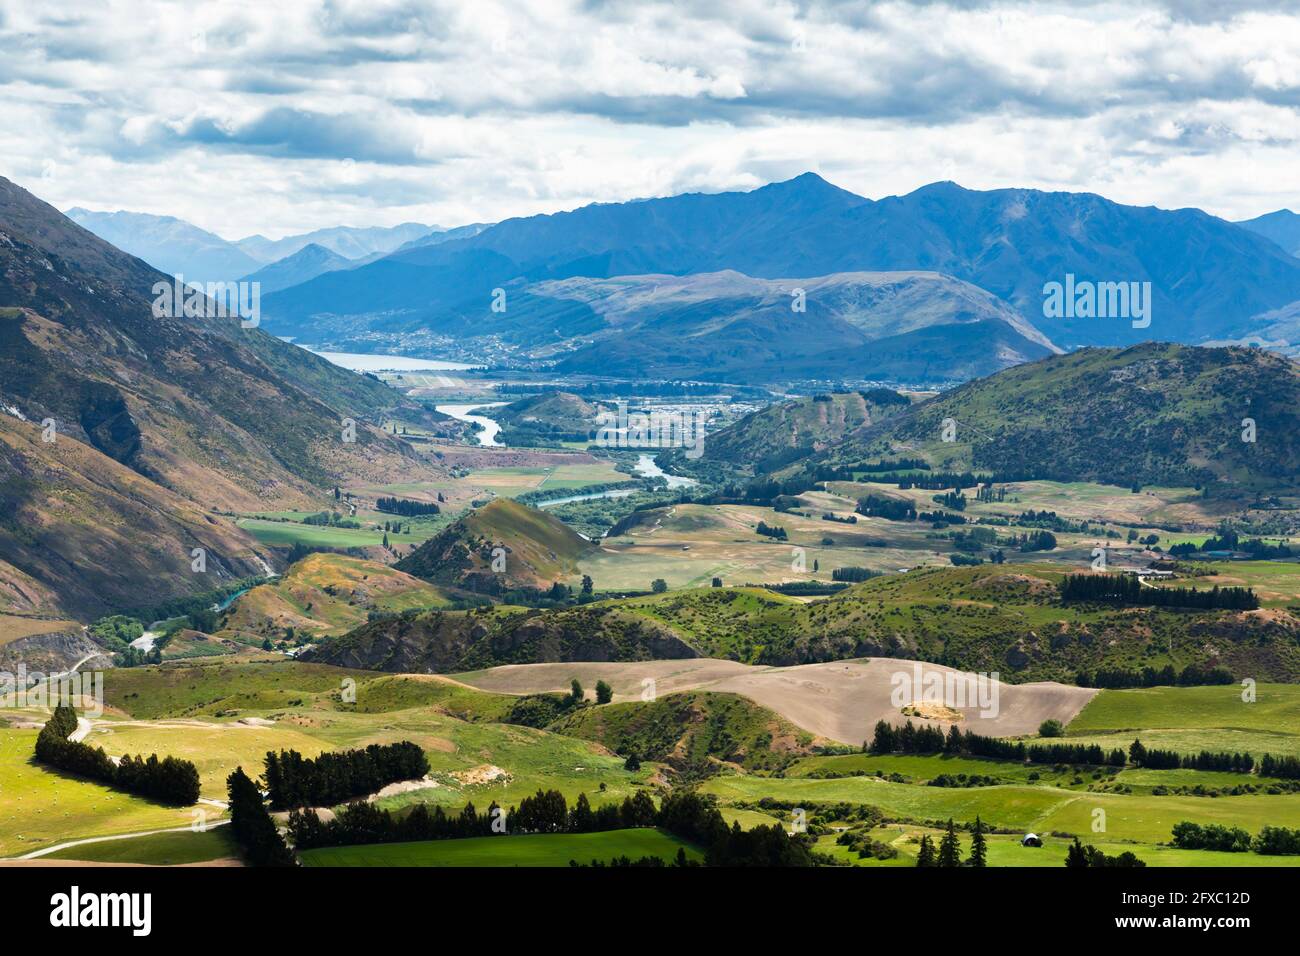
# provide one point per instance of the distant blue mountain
(169, 244)
(307, 263)
(1282, 226)
(1208, 276)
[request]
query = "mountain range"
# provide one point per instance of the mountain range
(1209, 278)
(175, 246)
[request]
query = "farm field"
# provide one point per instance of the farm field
(839, 700)
(215, 749)
(1277, 583)
(40, 807)
(516, 481)
(689, 545)
(158, 849)
(1139, 818)
(1277, 706)
(472, 756)
(1006, 850)
(547, 850)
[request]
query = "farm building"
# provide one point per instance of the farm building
(1031, 839)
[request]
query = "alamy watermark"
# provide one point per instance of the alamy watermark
(657, 429)
(84, 691)
(951, 689)
(1084, 299)
(178, 299)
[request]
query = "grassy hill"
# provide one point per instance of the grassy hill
(693, 732)
(1004, 618)
(1155, 413)
(537, 550)
(548, 416)
(779, 434)
(326, 594)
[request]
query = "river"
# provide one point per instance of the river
(645, 466)
(615, 493)
(488, 436)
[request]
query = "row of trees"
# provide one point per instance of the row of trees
(169, 780)
(297, 781)
(948, 853)
(1127, 589)
(1271, 841)
(853, 574)
(911, 739)
(686, 814)
(1079, 856)
(405, 507)
(1116, 678)
(873, 506)
(545, 812)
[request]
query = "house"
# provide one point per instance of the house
(1031, 839)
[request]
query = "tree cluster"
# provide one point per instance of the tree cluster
(293, 780)
(169, 780)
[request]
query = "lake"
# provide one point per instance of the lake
(359, 362)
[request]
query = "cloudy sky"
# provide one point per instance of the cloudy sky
(279, 116)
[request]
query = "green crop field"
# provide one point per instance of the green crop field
(1276, 708)
(283, 534)
(518, 480)
(157, 849)
(215, 749)
(40, 807)
(532, 850)
(1006, 850)
(1138, 817)
(925, 768)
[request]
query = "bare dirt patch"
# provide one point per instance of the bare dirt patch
(483, 774)
(838, 700)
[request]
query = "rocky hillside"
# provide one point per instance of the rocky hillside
(155, 422)
(500, 547)
(452, 641)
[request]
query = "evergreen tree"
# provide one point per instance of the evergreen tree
(252, 826)
(925, 855)
(604, 693)
(1137, 754)
(949, 847)
(978, 847)
(1075, 857)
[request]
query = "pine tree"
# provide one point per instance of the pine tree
(925, 855)
(1075, 857)
(1137, 754)
(978, 847)
(953, 744)
(949, 847)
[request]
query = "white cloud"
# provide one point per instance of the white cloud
(254, 117)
